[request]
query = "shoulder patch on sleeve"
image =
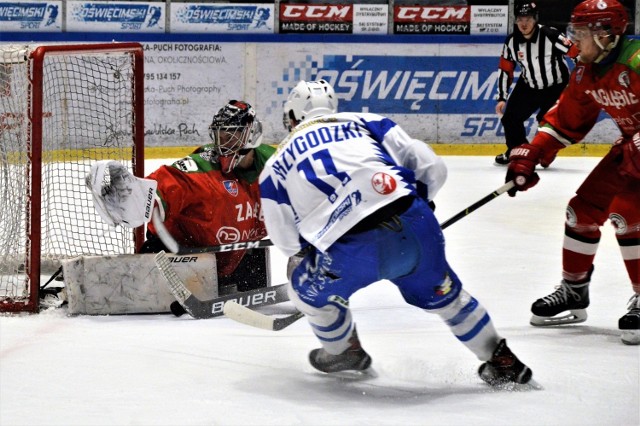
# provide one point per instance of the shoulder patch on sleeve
(186, 164)
(630, 55)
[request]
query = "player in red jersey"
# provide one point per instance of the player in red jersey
(208, 198)
(212, 197)
(606, 78)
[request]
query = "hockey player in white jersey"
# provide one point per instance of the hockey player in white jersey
(350, 193)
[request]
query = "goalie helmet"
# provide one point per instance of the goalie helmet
(234, 131)
(309, 99)
(600, 15)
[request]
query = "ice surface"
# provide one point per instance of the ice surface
(163, 370)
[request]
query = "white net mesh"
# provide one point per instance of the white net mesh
(87, 115)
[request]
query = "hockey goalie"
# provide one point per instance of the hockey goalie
(209, 198)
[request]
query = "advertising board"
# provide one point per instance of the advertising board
(31, 16)
(87, 16)
(439, 92)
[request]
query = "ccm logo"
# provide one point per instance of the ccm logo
(316, 11)
(449, 14)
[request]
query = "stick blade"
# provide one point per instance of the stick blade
(280, 323)
(244, 315)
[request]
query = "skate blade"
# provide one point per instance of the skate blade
(355, 375)
(576, 316)
(630, 337)
(531, 385)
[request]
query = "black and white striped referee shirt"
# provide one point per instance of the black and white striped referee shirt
(541, 59)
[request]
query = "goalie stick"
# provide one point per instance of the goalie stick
(172, 245)
(203, 309)
(247, 316)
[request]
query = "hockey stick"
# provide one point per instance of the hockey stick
(475, 206)
(247, 316)
(203, 309)
(172, 245)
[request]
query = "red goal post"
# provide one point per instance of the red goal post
(62, 107)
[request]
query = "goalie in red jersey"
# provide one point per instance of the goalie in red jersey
(606, 78)
(208, 198)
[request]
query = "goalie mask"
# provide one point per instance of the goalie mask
(234, 131)
(309, 99)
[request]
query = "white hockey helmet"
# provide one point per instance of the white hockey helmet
(309, 99)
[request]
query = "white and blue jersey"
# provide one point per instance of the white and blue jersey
(338, 172)
(335, 170)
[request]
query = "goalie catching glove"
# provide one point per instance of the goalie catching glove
(522, 166)
(119, 197)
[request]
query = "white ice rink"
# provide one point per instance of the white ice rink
(164, 370)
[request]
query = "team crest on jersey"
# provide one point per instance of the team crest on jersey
(231, 186)
(383, 183)
(579, 73)
(623, 79)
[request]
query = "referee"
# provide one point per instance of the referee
(539, 51)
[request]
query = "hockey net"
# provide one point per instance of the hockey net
(62, 107)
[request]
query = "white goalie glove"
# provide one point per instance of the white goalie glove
(119, 197)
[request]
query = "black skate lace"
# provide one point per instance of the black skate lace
(561, 294)
(634, 303)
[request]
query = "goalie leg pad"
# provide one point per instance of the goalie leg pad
(132, 284)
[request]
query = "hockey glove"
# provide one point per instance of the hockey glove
(630, 147)
(522, 166)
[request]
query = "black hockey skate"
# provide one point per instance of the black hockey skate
(504, 367)
(630, 322)
(52, 297)
(569, 296)
(354, 358)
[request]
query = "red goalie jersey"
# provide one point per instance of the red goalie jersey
(201, 206)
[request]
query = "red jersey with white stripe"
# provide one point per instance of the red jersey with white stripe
(201, 206)
(614, 88)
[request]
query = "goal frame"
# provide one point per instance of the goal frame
(34, 142)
